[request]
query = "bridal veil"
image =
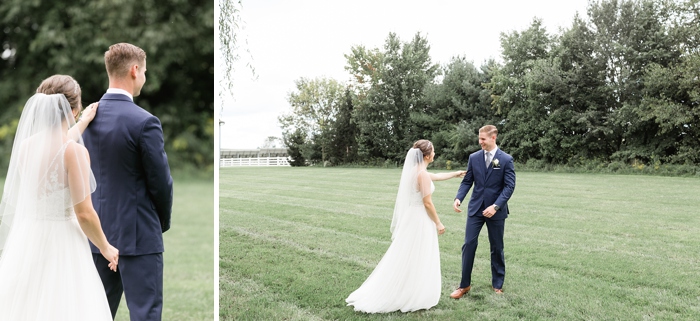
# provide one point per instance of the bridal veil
(48, 172)
(414, 179)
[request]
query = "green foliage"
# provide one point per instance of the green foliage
(345, 132)
(230, 25)
(456, 108)
(315, 105)
(672, 101)
(295, 144)
(619, 86)
(42, 38)
(390, 86)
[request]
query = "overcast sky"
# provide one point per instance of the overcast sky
(289, 40)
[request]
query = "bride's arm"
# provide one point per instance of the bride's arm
(90, 224)
(432, 213)
(446, 176)
(85, 118)
(425, 188)
(78, 168)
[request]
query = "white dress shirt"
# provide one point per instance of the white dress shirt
(493, 154)
(120, 91)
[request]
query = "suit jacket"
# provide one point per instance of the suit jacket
(134, 194)
(491, 185)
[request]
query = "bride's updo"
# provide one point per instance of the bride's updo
(425, 146)
(62, 84)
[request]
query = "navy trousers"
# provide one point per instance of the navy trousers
(471, 241)
(140, 279)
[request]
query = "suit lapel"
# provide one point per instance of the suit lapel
(483, 165)
(490, 169)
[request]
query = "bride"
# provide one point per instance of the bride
(46, 266)
(408, 277)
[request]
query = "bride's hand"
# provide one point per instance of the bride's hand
(440, 228)
(460, 173)
(89, 113)
(112, 255)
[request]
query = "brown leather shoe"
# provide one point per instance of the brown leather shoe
(498, 291)
(460, 292)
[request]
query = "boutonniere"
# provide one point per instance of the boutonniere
(495, 163)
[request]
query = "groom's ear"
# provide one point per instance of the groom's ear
(133, 71)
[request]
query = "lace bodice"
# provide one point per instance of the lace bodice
(53, 198)
(54, 206)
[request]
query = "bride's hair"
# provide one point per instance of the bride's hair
(425, 146)
(62, 84)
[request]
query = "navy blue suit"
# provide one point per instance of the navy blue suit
(133, 199)
(492, 185)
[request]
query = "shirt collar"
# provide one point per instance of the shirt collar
(120, 91)
(493, 151)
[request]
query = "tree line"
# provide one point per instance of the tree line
(620, 84)
(42, 38)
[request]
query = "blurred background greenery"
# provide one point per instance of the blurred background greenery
(40, 38)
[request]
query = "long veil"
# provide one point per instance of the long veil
(408, 187)
(48, 172)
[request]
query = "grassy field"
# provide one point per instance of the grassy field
(294, 242)
(189, 254)
(188, 276)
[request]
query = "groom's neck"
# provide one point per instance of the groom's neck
(121, 85)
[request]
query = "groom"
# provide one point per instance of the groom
(491, 172)
(134, 193)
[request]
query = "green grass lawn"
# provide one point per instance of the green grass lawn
(188, 275)
(189, 254)
(294, 242)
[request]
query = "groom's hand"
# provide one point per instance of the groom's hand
(489, 211)
(456, 205)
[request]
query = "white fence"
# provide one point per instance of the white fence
(254, 161)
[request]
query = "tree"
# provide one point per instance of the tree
(585, 94)
(315, 104)
(397, 78)
(522, 52)
(295, 142)
(230, 26)
(456, 108)
(345, 131)
(629, 36)
(270, 142)
(671, 95)
(67, 37)
(586, 98)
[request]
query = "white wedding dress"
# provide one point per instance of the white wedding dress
(46, 267)
(408, 277)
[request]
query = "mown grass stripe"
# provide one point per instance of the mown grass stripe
(578, 246)
(250, 294)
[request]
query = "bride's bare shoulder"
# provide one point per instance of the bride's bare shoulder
(74, 151)
(424, 175)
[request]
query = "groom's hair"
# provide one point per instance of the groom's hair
(489, 130)
(120, 57)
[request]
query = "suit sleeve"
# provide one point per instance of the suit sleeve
(509, 183)
(155, 163)
(467, 182)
